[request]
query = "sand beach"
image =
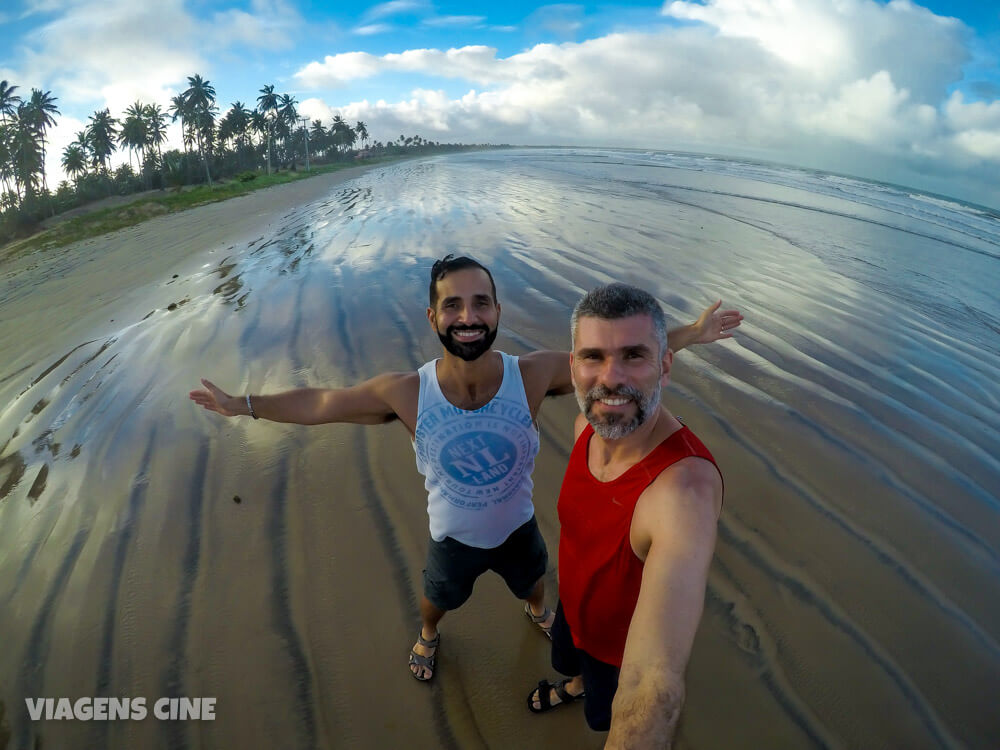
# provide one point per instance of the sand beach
(150, 549)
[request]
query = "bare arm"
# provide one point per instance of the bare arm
(713, 324)
(675, 526)
(370, 402)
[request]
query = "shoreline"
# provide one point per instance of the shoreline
(138, 208)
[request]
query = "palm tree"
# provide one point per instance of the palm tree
(200, 99)
(156, 134)
(7, 155)
(8, 101)
(288, 117)
(7, 161)
(236, 125)
(74, 162)
(36, 116)
(318, 136)
(343, 135)
(133, 133)
(27, 162)
(362, 132)
(267, 102)
(101, 134)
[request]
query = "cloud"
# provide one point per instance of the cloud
(270, 25)
(453, 21)
(849, 85)
(36, 7)
(847, 39)
(145, 52)
(564, 20)
(477, 63)
(397, 8)
(374, 28)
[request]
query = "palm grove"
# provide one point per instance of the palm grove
(269, 136)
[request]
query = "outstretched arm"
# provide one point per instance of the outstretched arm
(713, 324)
(675, 528)
(370, 402)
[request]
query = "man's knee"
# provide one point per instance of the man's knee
(446, 595)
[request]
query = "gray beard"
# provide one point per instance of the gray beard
(614, 426)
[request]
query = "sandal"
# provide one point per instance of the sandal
(426, 662)
(539, 620)
(543, 696)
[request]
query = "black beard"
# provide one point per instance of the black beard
(472, 350)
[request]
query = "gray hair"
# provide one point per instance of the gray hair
(614, 301)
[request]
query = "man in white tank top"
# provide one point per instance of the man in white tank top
(471, 417)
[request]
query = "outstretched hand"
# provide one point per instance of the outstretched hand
(214, 399)
(714, 324)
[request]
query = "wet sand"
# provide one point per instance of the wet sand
(129, 569)
(852, 601)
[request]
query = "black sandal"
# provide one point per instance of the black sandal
(565, 697)
(425, 662)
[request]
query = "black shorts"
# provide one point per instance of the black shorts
(600, 679)
(453, 567)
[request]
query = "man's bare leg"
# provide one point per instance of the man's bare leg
(430, 616)
(536, 602)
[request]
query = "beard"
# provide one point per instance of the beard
(471, 350)
(617, 426)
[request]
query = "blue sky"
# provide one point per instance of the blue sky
(895, 91)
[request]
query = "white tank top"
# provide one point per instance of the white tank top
(478, 463)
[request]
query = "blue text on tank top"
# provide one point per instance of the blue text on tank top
(482, 452)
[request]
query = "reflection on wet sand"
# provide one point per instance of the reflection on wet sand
(149, 549)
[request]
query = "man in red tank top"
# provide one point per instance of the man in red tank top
(638, 511)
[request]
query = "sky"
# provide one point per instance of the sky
(891, 91)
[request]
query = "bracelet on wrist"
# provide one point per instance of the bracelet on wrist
(250, 408)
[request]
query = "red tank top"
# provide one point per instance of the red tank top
(599, 574)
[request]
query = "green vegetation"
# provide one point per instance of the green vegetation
(222, 157)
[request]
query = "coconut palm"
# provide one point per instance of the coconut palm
(133, 134)
(288, 116)
(7, 159)
(318, 137)
(235, 125)
(28, 163)
(267, 105)
(101, 134)
(200, 99)
(156, 135)
(343, 134)
(36, 115)
(8, 101)
(362, 132)
(8, 108)
(74, 162)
